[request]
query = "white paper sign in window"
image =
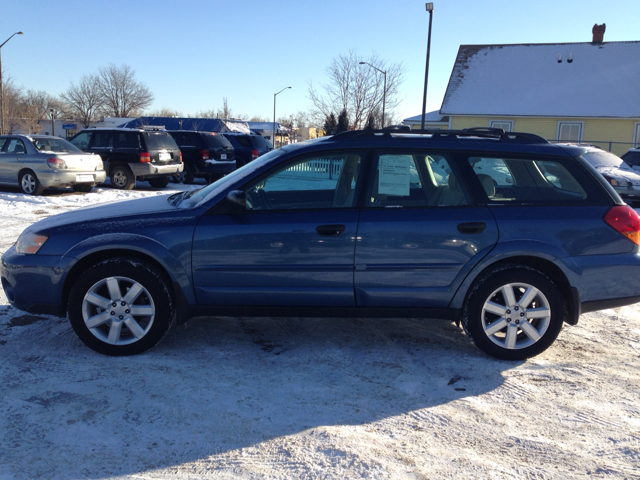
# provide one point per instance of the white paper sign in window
(393, 175)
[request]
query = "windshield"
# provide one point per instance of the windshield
(54, 144)
(600, 158)
(198, 197)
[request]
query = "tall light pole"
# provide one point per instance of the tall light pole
(384, 90)
(53, 128)
(426, 72)
(274, 115)
(1, 91)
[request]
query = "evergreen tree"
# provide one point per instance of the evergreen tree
(330, 125)
(371, 124)
(343, 122)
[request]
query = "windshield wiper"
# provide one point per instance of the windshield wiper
(176, 198)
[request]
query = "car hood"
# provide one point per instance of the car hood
(620, 173)
(108, 211)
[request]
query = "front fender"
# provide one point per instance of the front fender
(176, 264)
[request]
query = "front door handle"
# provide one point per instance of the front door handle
(330, 230)
(472, 228)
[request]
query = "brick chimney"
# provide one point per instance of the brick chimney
(598, 32)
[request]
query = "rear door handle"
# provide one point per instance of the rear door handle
(471, 228)
(330, 230)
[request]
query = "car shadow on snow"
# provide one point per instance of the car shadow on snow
(218, 385)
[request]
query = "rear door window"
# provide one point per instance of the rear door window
(516, 180)
(127, 140)
(102, 140)
(414, 180)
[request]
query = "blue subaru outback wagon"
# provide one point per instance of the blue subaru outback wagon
(505, 233)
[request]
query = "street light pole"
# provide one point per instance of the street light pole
(53, 128)
(274, 115)
(384, 90)
(426, 73)
(1, 91)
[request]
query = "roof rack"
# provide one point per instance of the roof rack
(481, 132)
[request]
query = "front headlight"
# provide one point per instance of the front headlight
(618, 183)
(30, 243)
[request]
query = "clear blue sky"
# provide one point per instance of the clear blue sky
(197, 52)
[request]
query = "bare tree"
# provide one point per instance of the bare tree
(84, 100)
(11, 96)
(163, 112)
(34, 106)
(358, 89)
(225, 111)
(122, 94)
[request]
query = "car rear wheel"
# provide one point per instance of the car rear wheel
(121, 307)
(122, 177)
(30, 184)
(187, 174)
(159, 182)
(513, 312)
(83, 187)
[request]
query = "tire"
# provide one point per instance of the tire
(30, 184)
(83, 187)
(498, 313)
(159, 182)
(187, 174)
(121, 307)
(122, 178)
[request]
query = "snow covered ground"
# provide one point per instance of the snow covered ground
(310, 398)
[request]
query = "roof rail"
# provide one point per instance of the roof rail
(404, 130)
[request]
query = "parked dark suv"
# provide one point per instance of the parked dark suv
(248, 146)
(206, 155)
(386, 223)
(130, 154)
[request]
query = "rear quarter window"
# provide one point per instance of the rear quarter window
(534, 181)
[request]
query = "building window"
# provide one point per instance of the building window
(506, 125)
(569, 132)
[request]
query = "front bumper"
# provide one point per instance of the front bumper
(34, 283)
(151, 169)
(62, 178)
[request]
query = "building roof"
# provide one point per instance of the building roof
(429, 117)
(201, 124)
(592, 80)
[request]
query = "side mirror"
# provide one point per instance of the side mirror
(237, 201)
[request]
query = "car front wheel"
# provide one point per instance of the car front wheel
(513, 312)
(121, 307)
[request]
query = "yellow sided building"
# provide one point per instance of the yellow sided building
(565, 92)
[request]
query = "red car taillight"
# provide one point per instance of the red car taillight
(180, 157)
(625, 220)
(205, 154)
(56, 163)
(145, 157)
(254, 154)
